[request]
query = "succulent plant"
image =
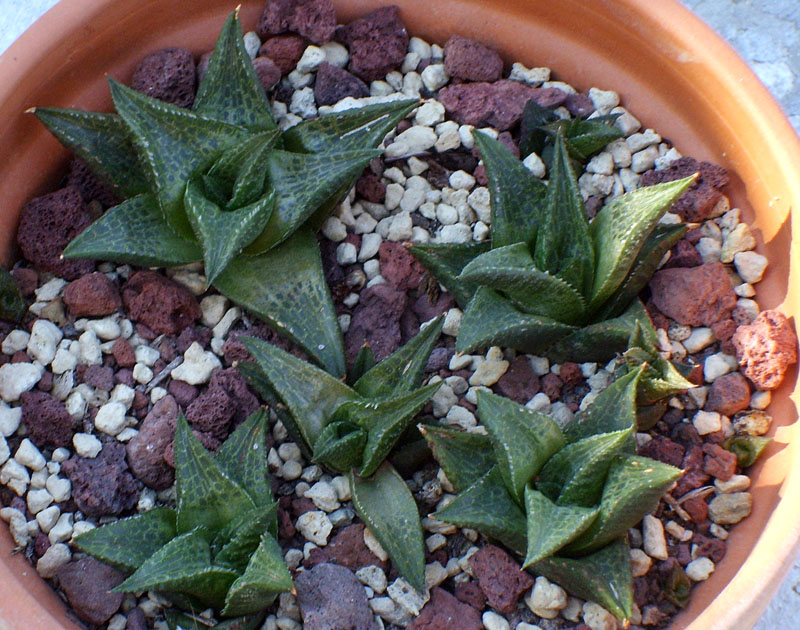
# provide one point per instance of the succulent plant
(12, 304)
(551, 282)
(217, 547)
(354, 429)
(561, 498)
(220, 183)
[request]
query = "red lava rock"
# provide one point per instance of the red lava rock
(146, 449)
(45, 383)
(212, 412)
(551, 385)
(579, 105)
(370, 188)
(168, 75)
(333, 84)
(233, 350)
(664, 450)
(183, 393)
(189, 335)
(123, 353)
(520, 383)
(20, 356)
(125, 376)
(729, 394)
(697, 508)
(346, 548)
(313, 19)
(161, 304)
(47, 419)
(88, 585)
(378, 43)
(209, 442)
(330, 597)
(284, 50)
(500, 578)
(98, 376)
(103, 485)
(47, 224)
(92, 188)
(571, 373)
(27, 280)
(712, 548)
(694, 476)
(92, 295)
(697, 202)
(399, 267)
(695, 296)
(426, 310)
(499, 104)
(718, 462)
(471, 60)
(267, 71)
(302, 506)
(507, 141)
(376, 321)
(137, 620)
(440, 358)
(41, 544)
(445, 612)
(139, 400)
(766, 348)
(470, 593)
(684, 254)
(724, 329)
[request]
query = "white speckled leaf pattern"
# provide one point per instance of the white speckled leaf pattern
(264, 578)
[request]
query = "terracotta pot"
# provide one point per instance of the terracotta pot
(674, 74)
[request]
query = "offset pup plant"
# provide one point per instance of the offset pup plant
(551, 282)
(218, 547)
(220, 183)
(561, 498)
(352, 430)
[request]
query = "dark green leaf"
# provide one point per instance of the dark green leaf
(678, 587)
(236, 161)
(603, 577)
(340, 446)
(134, 232)
(252, 177)
(127, 543)
(517, 197)
(365, 361)
(403, 370)
(179, 621)
(464, 457)
(260, 518)
(243, 456)
(488, 507)
(102, 141)
(266, 575)
(511, 270)
(584, 138)
(385, 504)
(236, 552)
(747, 448)
(445, 262)
(532, 136)
(647, 417)
(491, 320)
(12, 305)
(286, 288)
(551, 526)
(523, 440)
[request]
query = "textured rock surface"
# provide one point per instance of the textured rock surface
(88, 585)
(146, 449)
(378, 43)
(470, 60)
(168, 75)
(501, 579)
(698, 201)
(92, 295)
(313, 19)
(284, 50)
(47, 419)
(694, 296)
(445, 612)
(102, 485)
(766, 348)
(331, 598)
(333, 84)
(162, 305)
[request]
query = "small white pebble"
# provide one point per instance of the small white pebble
(700, 569)
(706, 422)
(86, 445)
(655, 543)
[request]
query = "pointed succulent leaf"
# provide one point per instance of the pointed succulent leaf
(402, 370)
(176, 144)
(302, 183)
(563, 245)
(102, 141)
(661, 379)
(179, 621)
(491, 320)
(363, 363)
(127, 543)
(747, 448)
(340, 446)
(603, 577)
(234, 163)
(511, 270)
(260, 518)
(677, 587)
(620, 230)
(532, 136)
(224, 233)
(655, 247)
(311, 394)
(523, 440)
(243, 457)
(386, 505)
(236, 552)
(251, 179)
(12, 305)
(648, 416)
(446, 261)
(633, 488)
(264, 578)
(579, 469)
(551, 526)
(286, 288)
(207, 497)
(517, 197)
(488, 507)
(464, 457)
(134, 232)
(584, 138)
(230, 90)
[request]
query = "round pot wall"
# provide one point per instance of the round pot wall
(673, 73)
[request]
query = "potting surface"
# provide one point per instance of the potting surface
(767, 35)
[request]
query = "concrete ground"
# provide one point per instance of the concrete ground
(766, 33)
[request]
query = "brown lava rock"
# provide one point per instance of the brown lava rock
(333, 84)
(684, 254)
(227, 402)
(694, 296)
(501, 579)
(168, 75)
(766, 348)
(696, 204)
(663, 449)
(103, 485)
(398, 267)
(267, 72)
(445, 612)
(729, 394)
(92, 295)
(123, 353)
(470, 60)
(520, 383)
(719, 462)
(146, 449)
(284, 51)
(47, 419)
(88, 585)
(330, 597)
(91, 187)
(47, 224)
(164, 306)
(470, 593)
(346, 548)
(378, 43)
(376, 321)
(313, 19)
(370, 188)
